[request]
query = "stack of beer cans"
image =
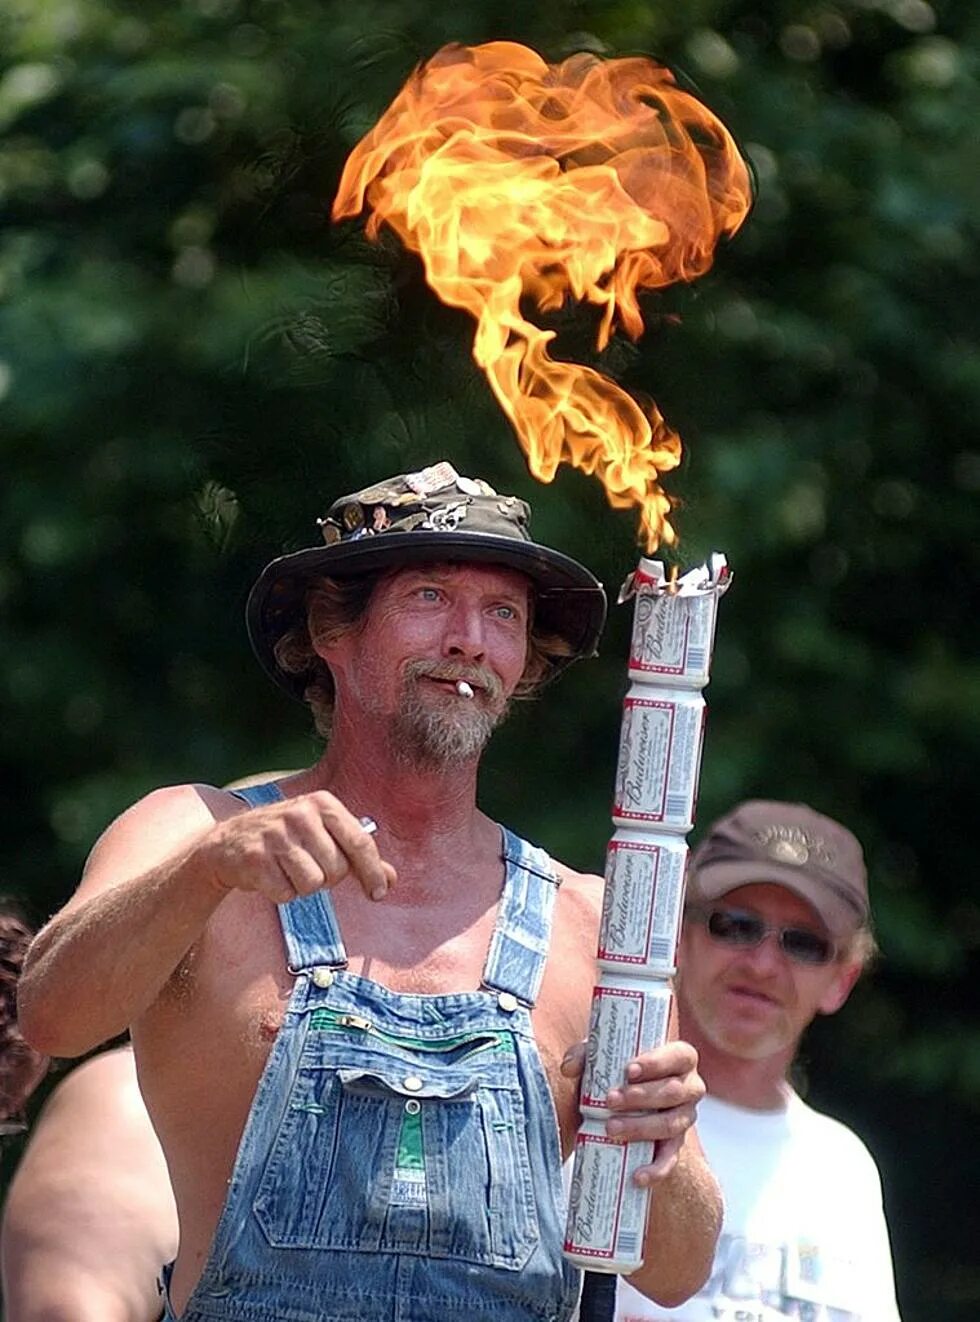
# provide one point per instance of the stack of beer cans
(653, 811)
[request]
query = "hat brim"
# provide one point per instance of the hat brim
(570, 601)
(838, 909)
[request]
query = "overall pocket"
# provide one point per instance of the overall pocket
(389, 1144)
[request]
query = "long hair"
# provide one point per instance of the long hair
(21, 1067)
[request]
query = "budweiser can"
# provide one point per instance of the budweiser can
(674, 620)
(659, 758)
(673, 633)
(642, 902)
(607, 1212)
(629, 1016)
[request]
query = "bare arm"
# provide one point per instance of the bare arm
(658, 1102)
(686, 1207)
(90, 1216)
(150, 886)
(682, 1229)
(143, 900)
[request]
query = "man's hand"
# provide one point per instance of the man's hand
(293, 848)
(151, 886)
(663, 1088)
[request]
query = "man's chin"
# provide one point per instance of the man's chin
(749, 1042)
(434, 733)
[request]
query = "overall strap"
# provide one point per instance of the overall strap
(521, 936)
(309, 926)
(257, 795)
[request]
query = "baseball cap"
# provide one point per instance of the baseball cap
(792, 845)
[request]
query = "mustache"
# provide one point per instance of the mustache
(478, 677)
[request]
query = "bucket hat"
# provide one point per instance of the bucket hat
(430, 516)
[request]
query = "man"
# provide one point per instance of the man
(89, 1215)
(777, 931)
(354, 1047)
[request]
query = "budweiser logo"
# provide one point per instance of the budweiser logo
(590, 1197)
(634, 761)
(620, 924)
(651, 624)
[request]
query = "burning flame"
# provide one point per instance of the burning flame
(519, 180)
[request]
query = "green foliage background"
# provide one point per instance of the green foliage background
(193, 362)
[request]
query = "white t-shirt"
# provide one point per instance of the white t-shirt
(804, 1233)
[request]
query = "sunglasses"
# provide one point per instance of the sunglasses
(735, 927)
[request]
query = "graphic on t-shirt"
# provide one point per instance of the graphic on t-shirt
(753, 1282)
(793, 1245)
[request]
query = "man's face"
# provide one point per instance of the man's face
(425, 629)
(755, 1002)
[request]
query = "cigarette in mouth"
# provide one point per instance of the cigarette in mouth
(463, 689)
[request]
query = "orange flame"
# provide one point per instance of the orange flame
(516, 179)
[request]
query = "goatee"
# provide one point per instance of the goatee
(438, 728)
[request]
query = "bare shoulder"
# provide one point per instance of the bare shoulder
(580, 895)
(89, 1215)
(153, 829)
(586, 886)
(173, 806)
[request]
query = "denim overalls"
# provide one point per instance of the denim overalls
(401, 1160)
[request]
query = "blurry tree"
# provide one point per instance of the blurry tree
(193, 362)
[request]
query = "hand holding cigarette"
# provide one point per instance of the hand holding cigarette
(290, 849)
